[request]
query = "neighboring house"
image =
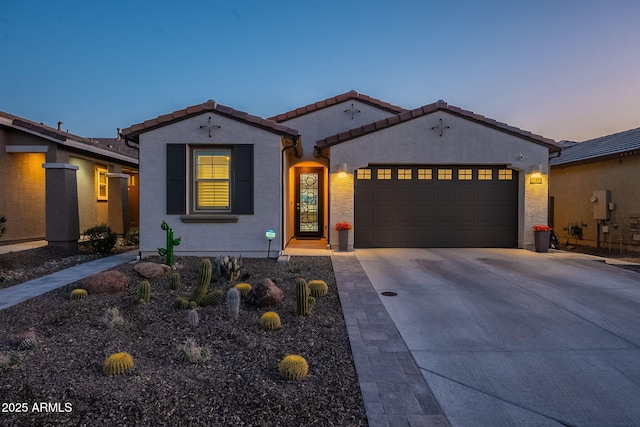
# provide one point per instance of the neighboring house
(54, 185)
(595, 199)
(436, 176)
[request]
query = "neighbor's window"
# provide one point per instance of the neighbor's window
(212, 179)
(485, 175)
(384, 173)
(425, 174)
(102, 183)
(505, 174)
(404, 173)
(364, 174)
(445, 174)
(464, 174)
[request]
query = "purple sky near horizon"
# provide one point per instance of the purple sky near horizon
(564, 69)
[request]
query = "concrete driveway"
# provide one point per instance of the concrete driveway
(508, 337)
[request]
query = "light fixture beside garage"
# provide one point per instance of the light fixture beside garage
(342, 169)
(536, 175)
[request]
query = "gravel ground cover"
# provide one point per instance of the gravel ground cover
(52, 351)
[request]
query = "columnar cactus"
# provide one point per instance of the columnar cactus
(204, 278)
(233, 303)
(293, 367)
(304, 301)
(145, 292)
(171, 242)
(174, 280)
(212, 298)
(193, 318)
(270, 321)
(118, 363)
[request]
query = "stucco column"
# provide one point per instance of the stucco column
(118, 202)
(62, 219)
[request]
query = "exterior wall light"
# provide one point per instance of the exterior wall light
(342, 169)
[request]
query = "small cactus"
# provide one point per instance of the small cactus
(231, 267)
(174, 280)
(117, 363)
(233, 303)
(304, 301)
(181, 303)
(270, 321)
(204, 278)
(293, 367)
(318, 288)
(193, 318)
(212, 298)
(244, 289)
(145, 292)
(78, 294)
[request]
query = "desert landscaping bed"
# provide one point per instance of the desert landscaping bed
(53, 348)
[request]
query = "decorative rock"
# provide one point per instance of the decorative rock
(108, 282)
(265, 293)
(151, 270)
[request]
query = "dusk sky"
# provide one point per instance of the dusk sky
(564, 69)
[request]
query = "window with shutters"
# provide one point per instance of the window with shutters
(212, 179)
(209, 183)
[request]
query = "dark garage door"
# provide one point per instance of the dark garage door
(436, 206)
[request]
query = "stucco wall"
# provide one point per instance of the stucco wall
(22, 180)
(318, 125)
(572, 188)
(464, 142)
(247, 236)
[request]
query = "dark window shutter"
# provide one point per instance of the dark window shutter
(243, 184)
(176, 179)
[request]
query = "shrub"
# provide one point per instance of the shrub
(102, 239)
(3, 226)
(293, 367)
(132, 238)
(191, 352)
(113, 317)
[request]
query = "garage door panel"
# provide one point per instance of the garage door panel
(432, 212)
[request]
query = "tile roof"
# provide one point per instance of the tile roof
(602, 148)
(431, 108)
(336, 100)
(134, 131)
(112, 145)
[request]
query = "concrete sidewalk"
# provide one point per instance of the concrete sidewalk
(33, 288)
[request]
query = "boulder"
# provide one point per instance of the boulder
(265, 293)
(108, 282)
(151, 270)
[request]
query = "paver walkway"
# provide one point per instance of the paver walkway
(393, 389)
(33, 288)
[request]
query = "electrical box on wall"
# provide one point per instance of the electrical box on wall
(600, 201)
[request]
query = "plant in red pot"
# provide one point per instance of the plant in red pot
(541, 237)
(343, 235)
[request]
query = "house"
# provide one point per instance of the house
(55, 184)
(436, 176)
(595, 200)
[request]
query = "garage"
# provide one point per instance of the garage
(436, 206)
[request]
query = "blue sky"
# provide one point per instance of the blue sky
(565, 69)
